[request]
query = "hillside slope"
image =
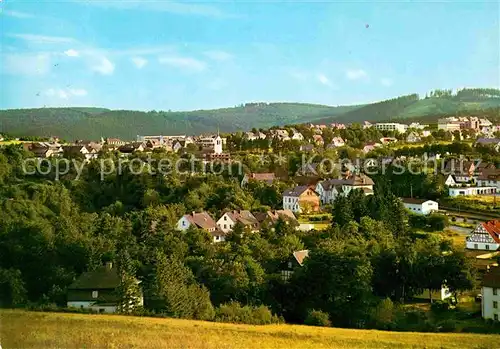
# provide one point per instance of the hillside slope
(22, 329)
(78, 123)
(93, 123)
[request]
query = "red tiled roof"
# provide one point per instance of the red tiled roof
(201, 220)
(493, 228)
(300, 256)
(262, 176)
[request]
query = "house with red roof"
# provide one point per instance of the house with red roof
(486, 236)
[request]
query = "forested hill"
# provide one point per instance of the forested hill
(93, 123)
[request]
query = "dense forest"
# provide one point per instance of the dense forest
(94, 123)
(359, 270)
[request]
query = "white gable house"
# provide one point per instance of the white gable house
(420, 206)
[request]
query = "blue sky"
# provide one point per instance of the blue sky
(198, 55)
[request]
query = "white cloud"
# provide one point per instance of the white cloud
(356, 74)
(80, 92)
(323, 79)
(26, 64)
(104, 67)
(71, 53)
(185, 63)
(139, 62)
(17, 14)
(65, 93)
(42, 39)
(219, 56)
(386, 82)
(185, 8)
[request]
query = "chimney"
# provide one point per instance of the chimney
(109, 265)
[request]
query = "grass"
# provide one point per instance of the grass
(22, 329)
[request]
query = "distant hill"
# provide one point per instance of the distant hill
(93, 123)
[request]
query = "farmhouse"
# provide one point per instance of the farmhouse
(490, 292)
(486, 236)
(97, 290)
(228, 220)
(301, 199)
(413, 137)
(420, 206)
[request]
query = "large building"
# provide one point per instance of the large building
(486, 236)
(391, 126)
(490, 292)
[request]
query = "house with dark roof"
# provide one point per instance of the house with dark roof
(270, 218)
(329, 189)
(489, 178)
(420, 206)
(97, 290)
(201, 220)
(267, 177)
(302, 198)
(229, 219)
(490, 142)
(490, 294)
(485, 236)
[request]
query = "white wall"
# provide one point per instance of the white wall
(291, 203)
(487, 300)
(228, 222)
(183, 224)
(424, 208)
(482, 246)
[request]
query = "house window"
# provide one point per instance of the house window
(495, 291)
(217, 237)
(102, 310)
(225, 218)
(495, 304)
(225, 226)
(495, 317)
(487, 246)
(475, 246)
(95, 294)
(290, 265)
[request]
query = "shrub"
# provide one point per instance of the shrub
(235, 313)
(440, 306)
(383, 314)
(317, 318)
(448, 325)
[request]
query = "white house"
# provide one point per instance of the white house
(420, 206)
(437, 295)
(486, 236)
(212, 143)
(297, 136)
(467, 191)
(328, 190)
(413, 137)
(301, 198)
(203, 221)
(229, 219)
(490, 292)
(489, 178)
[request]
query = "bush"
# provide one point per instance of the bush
(448, 325)
(383, 315)
(235, 313)
(440, 306)
(317, 318)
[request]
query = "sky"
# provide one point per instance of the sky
(173, 55)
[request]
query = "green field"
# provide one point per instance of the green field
(21, 329)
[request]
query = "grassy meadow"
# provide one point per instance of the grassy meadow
(22, 329)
